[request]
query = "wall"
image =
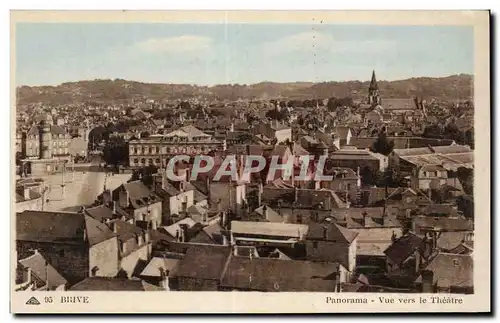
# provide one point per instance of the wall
(72, 261)
(35, 204)
(129, 262)
(373, 164)
(105, 256)
(331, 251)
(154, 216)
(431, 179)
(194, 284)
(283, 134)
(176, 201)
(342, 185)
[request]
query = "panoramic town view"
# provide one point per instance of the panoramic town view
(230, 158)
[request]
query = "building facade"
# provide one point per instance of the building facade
(158, 149)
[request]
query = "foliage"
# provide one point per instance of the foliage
(115, 152)
(98, 92)
(450, 131)
(277, 115)
(382, 145)
(145, 174)
(334, 103)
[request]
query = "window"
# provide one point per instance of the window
(150, 150)
(135, 150)
(157, 150)
(61, 253)
(315, 244)
(136, 160)
(157, 161)
(456, 262)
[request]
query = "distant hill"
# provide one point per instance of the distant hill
(122, 91)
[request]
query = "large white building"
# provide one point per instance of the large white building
(157, 149)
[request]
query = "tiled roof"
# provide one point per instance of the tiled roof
(113, 284)
(269, 229)
(60, 227)
(331, 232)
(452, 270)
(43, 270)
(403, 248)
(203, 261)
(277, 275)
(442, 223)
(152, 269)
(100, 212)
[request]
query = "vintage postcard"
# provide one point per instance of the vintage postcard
(250, 162)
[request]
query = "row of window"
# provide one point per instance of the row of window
(36, 151)
(60, 136)
(54, 143)
(167, 150)
(149, 161)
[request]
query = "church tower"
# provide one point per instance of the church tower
(373, 97)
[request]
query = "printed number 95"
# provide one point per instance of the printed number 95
(48, 299)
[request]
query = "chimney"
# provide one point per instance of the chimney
(114, 207)
(427, 281)
(165, 282)
(123, 199)
(27, 275)
(114, 227)
(418, 260)
(46, 274)
(207, 188)
(184, 232)
(296, 194)
(26, 193)
(328, 202)
(224, 219)
(264, 211)
(261, 191)
(338, 286)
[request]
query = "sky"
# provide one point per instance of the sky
(208, 54)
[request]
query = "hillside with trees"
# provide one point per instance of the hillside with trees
(122, 91)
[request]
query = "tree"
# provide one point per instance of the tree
(145, 175)
(382, 145)
(116, 152)
(184, 105)
(277, 115)
(334, 103)
(433, 131)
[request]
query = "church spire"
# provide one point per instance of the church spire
(373, 83)
(373, 97)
